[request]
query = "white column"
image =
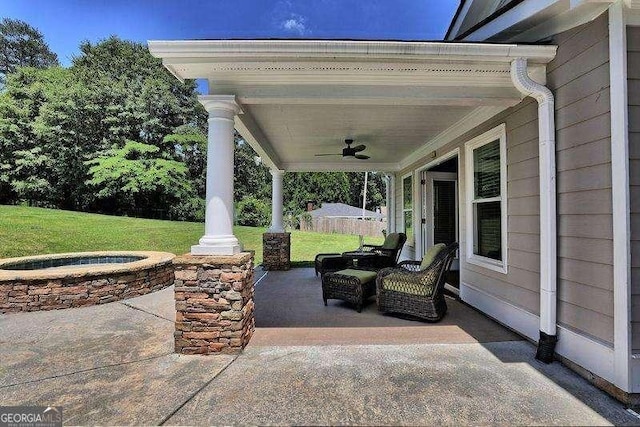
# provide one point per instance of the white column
(218, 236)
(276, 201)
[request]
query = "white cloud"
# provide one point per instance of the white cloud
(294, 25)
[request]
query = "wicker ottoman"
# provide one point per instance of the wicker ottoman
(349, 285)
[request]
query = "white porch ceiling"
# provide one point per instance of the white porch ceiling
(390, 133)
(301, 98)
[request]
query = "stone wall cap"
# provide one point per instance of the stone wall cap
(237, 259)
(150, 259)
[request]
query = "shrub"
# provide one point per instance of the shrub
(191, 209)
(253, 212)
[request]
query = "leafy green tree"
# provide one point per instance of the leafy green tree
(375, 189)
(137, 178)
(251, 178)
(138, 99)
(29, 182)
(190, 146)
(253, 212)
(47, 108)
(318, 186)
(21, 45)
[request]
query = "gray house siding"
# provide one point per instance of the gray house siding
(579, 77)
(633, 81)
(520, 285)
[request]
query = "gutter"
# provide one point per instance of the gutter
(548, 235)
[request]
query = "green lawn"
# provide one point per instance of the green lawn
(32, 231)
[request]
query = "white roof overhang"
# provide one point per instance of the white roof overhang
(300, 98)
(529, 20)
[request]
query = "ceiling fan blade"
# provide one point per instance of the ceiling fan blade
(358, 148)
(320, 155)
(361, 156)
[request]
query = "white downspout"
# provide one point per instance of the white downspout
(548, 246)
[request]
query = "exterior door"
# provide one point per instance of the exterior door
(440, 210)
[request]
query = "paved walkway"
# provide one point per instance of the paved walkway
(113, 364)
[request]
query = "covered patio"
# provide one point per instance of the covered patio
(295, 101)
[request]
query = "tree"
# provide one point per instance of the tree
(21, 45)
(136, 97)
(190, 146)
(32, 177)
(318, 186)
(250, 178)
(137, 179)
(47, 109)
(375, 189)
(253, 212)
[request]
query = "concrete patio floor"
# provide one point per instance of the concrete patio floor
(114, 364)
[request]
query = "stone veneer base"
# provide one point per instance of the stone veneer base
(276, 251)
(214, 303)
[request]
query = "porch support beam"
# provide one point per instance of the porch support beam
(276, 201)
(218, 236)
(252, 134)
(547, 171)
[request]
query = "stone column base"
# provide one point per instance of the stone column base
(214, 303)
(276, 251)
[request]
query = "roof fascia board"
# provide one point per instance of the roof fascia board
(458, 19)
(528, 8)
(522, 11)
(299, 50)
(496, 13)
(574, 18)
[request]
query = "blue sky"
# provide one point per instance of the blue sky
(65, 23)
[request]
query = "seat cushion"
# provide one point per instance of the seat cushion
(392, 241)
(431, 254)
(363, 275)
(320, 257)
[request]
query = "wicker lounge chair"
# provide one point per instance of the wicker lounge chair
(388, 254)
(410, 290)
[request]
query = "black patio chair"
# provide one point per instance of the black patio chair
(387, 256)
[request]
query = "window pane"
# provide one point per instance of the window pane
(408, 225)
(488, 236)
(486, 169)
(407, 192)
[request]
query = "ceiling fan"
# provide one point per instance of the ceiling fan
(350, 151)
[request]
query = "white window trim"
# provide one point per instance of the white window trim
(402, 209)
(500, 133)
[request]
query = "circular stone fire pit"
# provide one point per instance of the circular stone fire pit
(56, 281)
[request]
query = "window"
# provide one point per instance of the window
(487, 200)
(407, 207)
